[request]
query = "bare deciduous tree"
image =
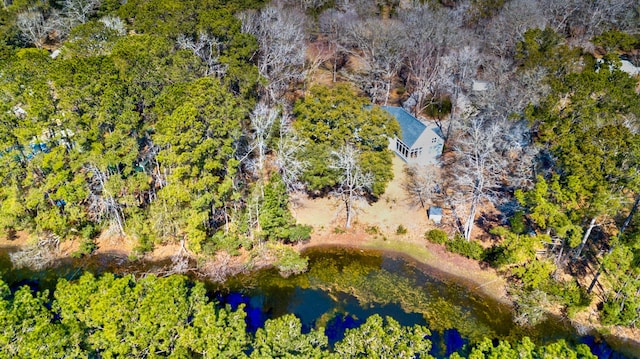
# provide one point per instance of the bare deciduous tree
(262, 120)
(288, 161)
(507, 28)
(39, 255)
(422, 183)
(457, 69)
(280, 34)
(332, 25)
(78, 11)
(208, 49)
(114, 23)
(582, 20)
(427, 34)
(354, 184)
(34, 27)
(376, 48)
(478, 169)
(102, 203)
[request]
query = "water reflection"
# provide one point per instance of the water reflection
(340, 291)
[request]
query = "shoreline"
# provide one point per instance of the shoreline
(428, 257)
(434, 260)
(431, 258)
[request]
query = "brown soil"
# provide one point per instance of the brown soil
(376, 227)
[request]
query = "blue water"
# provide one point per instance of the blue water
(331, 296)
(344, 314)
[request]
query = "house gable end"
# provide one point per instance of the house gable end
(412, 128)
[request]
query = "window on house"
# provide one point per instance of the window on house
(416, 152)
(433, 140)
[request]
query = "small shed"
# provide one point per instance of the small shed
(480, 85)
(435, 214)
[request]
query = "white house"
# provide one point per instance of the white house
(419, 143)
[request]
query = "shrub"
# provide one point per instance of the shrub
(90, 232)
(436, 236)
(401, 230)
(466, 248)
(10, 233)
(222, 242)
(144, 245)
(438, 109)
(570, 294)
(530, 307)
(87, 246)
(372, 230)
(288, 261)
(299, 233)
(535, 274)
(496, 256)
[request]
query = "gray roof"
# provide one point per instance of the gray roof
(411, 127)
(435, 211)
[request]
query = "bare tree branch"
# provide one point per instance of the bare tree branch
(354, 184)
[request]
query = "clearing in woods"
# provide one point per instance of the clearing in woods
(376, 226)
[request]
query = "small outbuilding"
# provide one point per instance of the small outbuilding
(419, 143)
(628, 67)
(480, 85)
(435, 214)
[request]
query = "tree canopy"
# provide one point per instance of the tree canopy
(111, 316)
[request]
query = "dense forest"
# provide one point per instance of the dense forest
(170, 317)
(193, 122)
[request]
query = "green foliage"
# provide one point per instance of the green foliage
(518, 223)
(535, 273)
(372, 230)
(469, 249)
(552, 206)
(299, 233)
(93, 38)
(527, 349)
(570, 294)
(211, 17)
(439, 109)
(378, 338)
(283, 338)
(288, 260)
(222, 241)
(514, 248)
(484, 9)
(339, 230)
(275, 219)
(87, 246)
(583, 124)
(436, 236)
(543, 47)
(401, 230)
(198, 124)
(132, 134)
(332, 117)
(170, 317)
(616, 40)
